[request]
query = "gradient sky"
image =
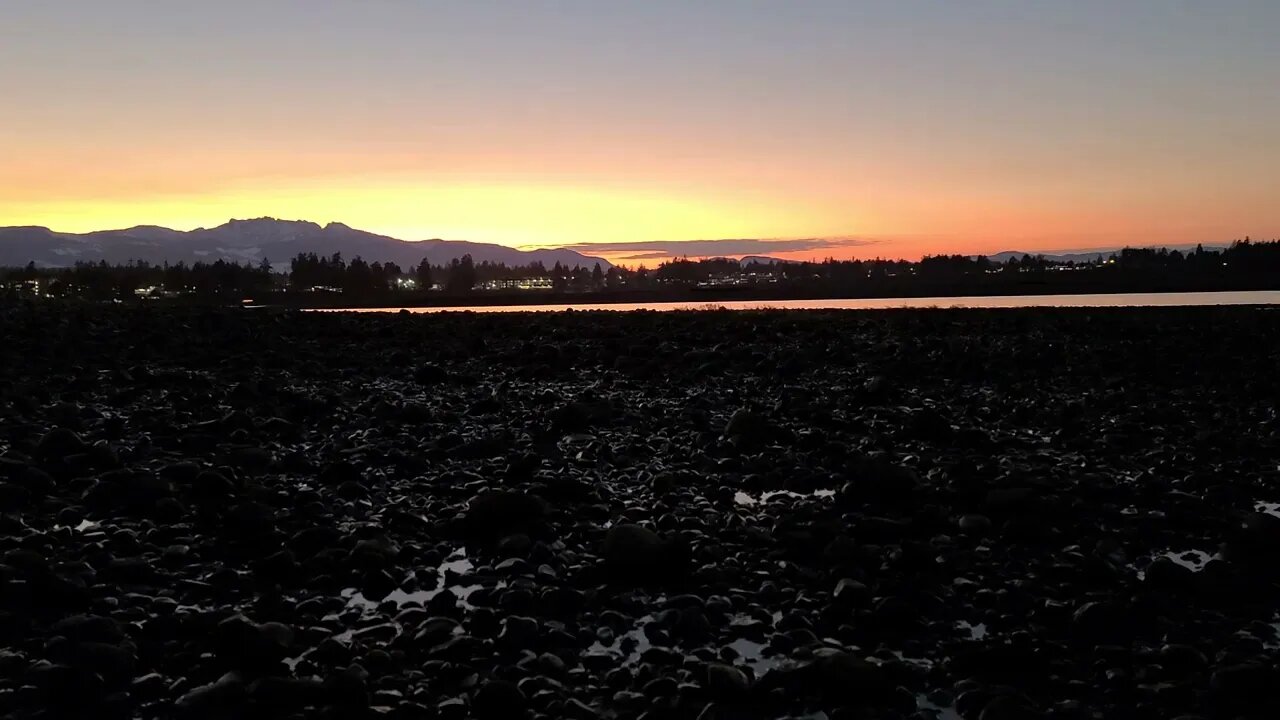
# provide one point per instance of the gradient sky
(912, 126)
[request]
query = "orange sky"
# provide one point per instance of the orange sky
(916, 129)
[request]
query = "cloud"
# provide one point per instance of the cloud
(660, 249)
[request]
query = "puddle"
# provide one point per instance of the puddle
(938, 711)
(918, 662)
(292, 662)
(457, 564)
(747, 500)
(638, 639)
(976, 632)
(1274, 642)
(751, 653)
(84, 526)
(1193, 560)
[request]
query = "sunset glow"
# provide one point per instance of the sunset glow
(563, 123)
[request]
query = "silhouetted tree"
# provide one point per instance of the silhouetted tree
(462, 274)
(422, 274)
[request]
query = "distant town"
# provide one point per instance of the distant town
(333, 280)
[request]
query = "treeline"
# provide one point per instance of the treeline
(1243, 265)
(309, 271)
(101, 281)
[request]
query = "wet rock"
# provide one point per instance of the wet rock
(1165, 574)
(498, 700)
(842, 678)
(727, 683)
(280, 695)
(637, 555)
(90, 628)
(59, 443)
(430, 374)
(877, 482)
(495, 514)
(974, 524)
(218, 697)
(748, 426)
(247, 645)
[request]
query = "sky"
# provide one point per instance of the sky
(846, 128)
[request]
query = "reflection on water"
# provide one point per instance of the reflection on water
(742, 498)
(1253, 297)
(456, 565)
(941, 712)
(976, 631)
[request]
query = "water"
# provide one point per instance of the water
(976, 631)
(457, 563)
(938, 711)
(746, 499)
(1253, 297)
(1193, 560)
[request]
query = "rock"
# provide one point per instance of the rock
(430, 374)
(727, 683)
(220, 696)
(851, 592)
(90, 628)
(748, 427)
(635, 555)
(247, 645)
(1166, 574)
(212, 485)
(842, 678)
(452, 709)
(115, 663)
(498, 700)
(975, 524)
(575, 709)
(1103, 620)
(494, 514)
(878, 483)
(436, 630)
(60, 443)
(1244, 684)
(281, 695)
(1009, 707)
(181, 473)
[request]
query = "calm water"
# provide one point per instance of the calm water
(1260, 297)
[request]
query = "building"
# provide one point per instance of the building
(534, 283)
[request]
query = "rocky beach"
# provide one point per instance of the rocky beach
(977, 514)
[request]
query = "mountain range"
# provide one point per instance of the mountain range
(251, 241)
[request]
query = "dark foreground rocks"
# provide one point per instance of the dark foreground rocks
(714, 516)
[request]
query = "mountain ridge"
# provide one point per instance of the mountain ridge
(253, 239)
(1088, 255)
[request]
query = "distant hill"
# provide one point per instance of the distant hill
(1085, 256)
(764, 260)
(252, 240)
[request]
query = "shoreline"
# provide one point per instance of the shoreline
(770, 295)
